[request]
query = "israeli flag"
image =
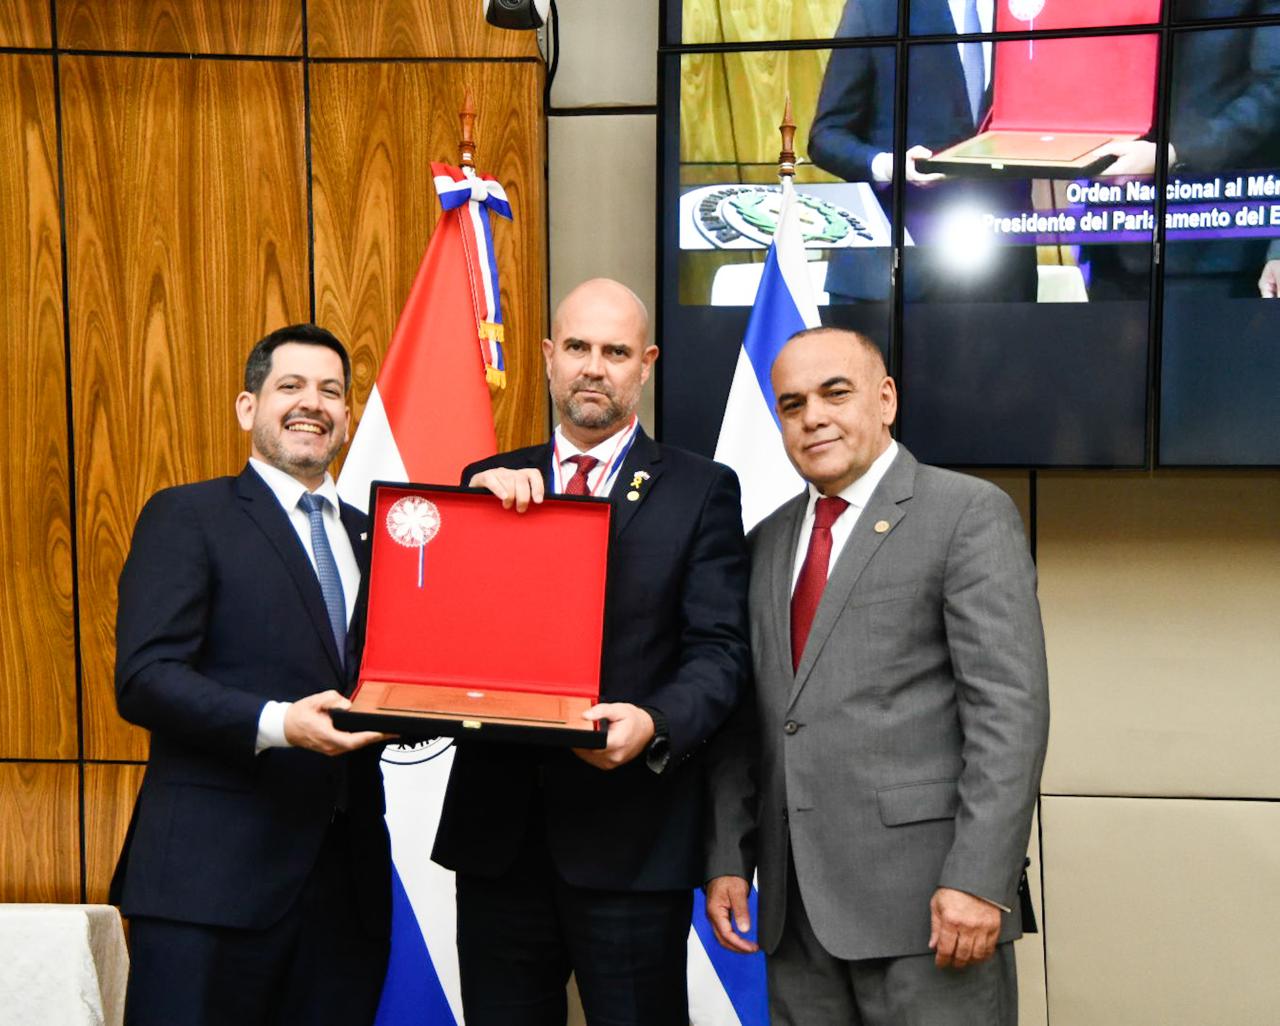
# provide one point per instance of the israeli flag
(728, 989)
(750, 439)
(422, 985)
(725, 988)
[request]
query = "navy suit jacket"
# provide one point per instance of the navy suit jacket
(675, 639)
(854, 122)
(220, 610)
(1224, 115)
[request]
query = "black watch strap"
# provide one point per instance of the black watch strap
(658, 753)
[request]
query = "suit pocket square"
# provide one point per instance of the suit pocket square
(916, 803)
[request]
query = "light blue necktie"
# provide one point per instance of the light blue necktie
(327, 570)
(971, 59)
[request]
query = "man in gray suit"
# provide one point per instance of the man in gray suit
(883, 781)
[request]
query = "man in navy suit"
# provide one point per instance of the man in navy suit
(852, 136)
(585, 861)
(256, 869)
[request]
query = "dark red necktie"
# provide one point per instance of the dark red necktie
(577, 485)
(813, 574)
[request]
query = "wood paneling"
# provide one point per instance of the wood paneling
(24, 23)
(375, 131)
(180, 26)
(39, 831)
(187, 240)
(410, 28)
(37, 659)
(109, 792)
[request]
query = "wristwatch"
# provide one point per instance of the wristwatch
(658, 754)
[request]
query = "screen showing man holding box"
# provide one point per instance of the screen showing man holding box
(581, 860)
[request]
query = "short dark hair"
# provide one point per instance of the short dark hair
(258, 365)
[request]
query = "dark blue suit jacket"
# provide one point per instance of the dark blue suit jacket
(676, 640)
(854, 122)
(1224, 115)
(220, 610)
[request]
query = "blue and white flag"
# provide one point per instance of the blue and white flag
(750, 439)
(725, 988)
(422, 986)
(728, 989)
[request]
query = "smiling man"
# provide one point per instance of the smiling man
(882, 782)
(585, 861)
(257, 859)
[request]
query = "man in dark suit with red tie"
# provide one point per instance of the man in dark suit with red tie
(584, 861)
(256, 870)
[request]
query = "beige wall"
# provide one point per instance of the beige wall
(1161, 599)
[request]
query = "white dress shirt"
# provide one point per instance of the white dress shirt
(288, 490)
(857, 495)
(611, 452)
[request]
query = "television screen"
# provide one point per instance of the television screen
(987, 210)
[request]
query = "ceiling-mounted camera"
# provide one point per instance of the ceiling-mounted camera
(516, 14)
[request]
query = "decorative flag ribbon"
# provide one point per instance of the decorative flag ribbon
(471, 197)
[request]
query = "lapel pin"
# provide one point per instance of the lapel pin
(881, 526)
(637, 479)
(364, 536)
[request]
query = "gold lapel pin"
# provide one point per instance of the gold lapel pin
(881, 526)
(632, 496)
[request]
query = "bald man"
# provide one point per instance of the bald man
(585, 861)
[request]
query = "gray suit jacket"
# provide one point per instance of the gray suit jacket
(905, 753)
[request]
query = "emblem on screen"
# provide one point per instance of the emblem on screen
(413, 522)
(746, 216)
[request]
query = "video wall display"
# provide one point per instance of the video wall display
(1219, 382)
(987, 210)
(695, 22)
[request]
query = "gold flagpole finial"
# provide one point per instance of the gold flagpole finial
(467, 121)
(787, 158)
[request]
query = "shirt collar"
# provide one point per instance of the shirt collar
(602, 450)
(288, 489)
(858, 494)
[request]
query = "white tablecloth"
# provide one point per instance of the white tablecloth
(62, 965)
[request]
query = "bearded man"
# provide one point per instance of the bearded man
(257, 859)
(584, 861)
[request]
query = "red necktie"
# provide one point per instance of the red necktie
(813, 574)
(577, 485)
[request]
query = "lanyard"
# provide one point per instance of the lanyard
(626, 438)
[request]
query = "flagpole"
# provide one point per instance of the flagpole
(467, 123)
(787, 156)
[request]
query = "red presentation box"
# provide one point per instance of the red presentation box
(1056, 102)
(482, 622)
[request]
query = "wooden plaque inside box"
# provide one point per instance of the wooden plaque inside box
(482, 622)
(1055, 103)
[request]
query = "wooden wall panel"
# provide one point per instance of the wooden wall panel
(375, 130)
(37, 659)
(410, 28)
(109, 792)
(180, 26)
(39, 831)
(187, 240)
(24, 23)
